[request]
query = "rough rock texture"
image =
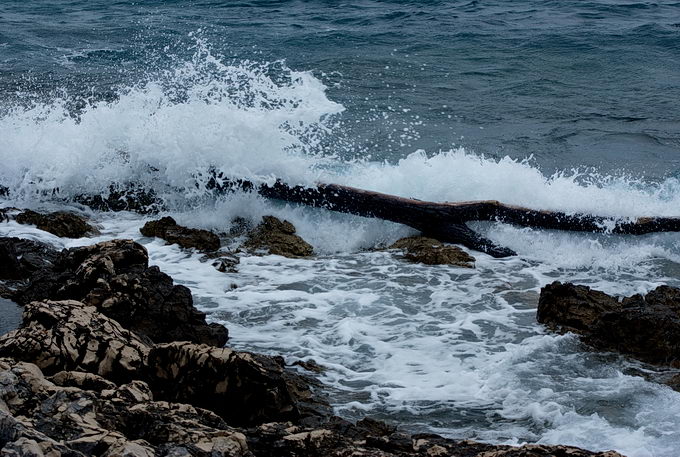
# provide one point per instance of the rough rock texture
(38, 417)
(113, 392)
(645, 327)
(19, 258)
(279, 238)
(67, 335)
(368, 438)
(241, 387)
(60, 223)
(167, 229)
(433, 252)
(114, 276)
(573, 308)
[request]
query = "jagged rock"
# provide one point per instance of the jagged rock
(645, 327)
(69, 336)
(123, 421)
(339, 438)
(180, 429)
(59, 223)
(114, 276)
(18, 439)
(279, 238)
(433, 252)
(19, 258)
(241, 387)
(167, 229)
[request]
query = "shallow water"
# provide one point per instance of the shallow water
(10, 316)
(551, 105)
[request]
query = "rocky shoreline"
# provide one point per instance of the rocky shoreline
(112, 358)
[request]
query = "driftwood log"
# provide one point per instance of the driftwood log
(447, 221)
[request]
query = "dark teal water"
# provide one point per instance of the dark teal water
(573, 83)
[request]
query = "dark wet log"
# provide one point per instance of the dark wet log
(447, 221)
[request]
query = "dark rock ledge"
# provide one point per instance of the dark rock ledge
(644, 327)
(96, 370)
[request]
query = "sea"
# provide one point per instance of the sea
(568, 105)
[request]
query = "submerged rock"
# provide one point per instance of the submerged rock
(279, 238)
(167, 229)
(644, 327)
(114, 277)
(433, 252)
(60, 223)
(223, 262)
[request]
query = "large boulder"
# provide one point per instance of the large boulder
(68, 335)
(644, 327)
(241, 387)
(278, 237)
(429, 251)
(114, 276)
(167, 229)
(60, 223)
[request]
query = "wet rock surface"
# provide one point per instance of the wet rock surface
(433, 252)
(278, 237)
(167, 229)
(60, 223)
(224, 262)
(114, 277)
(80, 377)
(644, 327)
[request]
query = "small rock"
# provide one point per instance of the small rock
(222, 261)
(279, 238)
(167, 229)
(433, 252)
(309, 365)
(60, 223)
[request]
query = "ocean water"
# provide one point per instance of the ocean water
(566, 105)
